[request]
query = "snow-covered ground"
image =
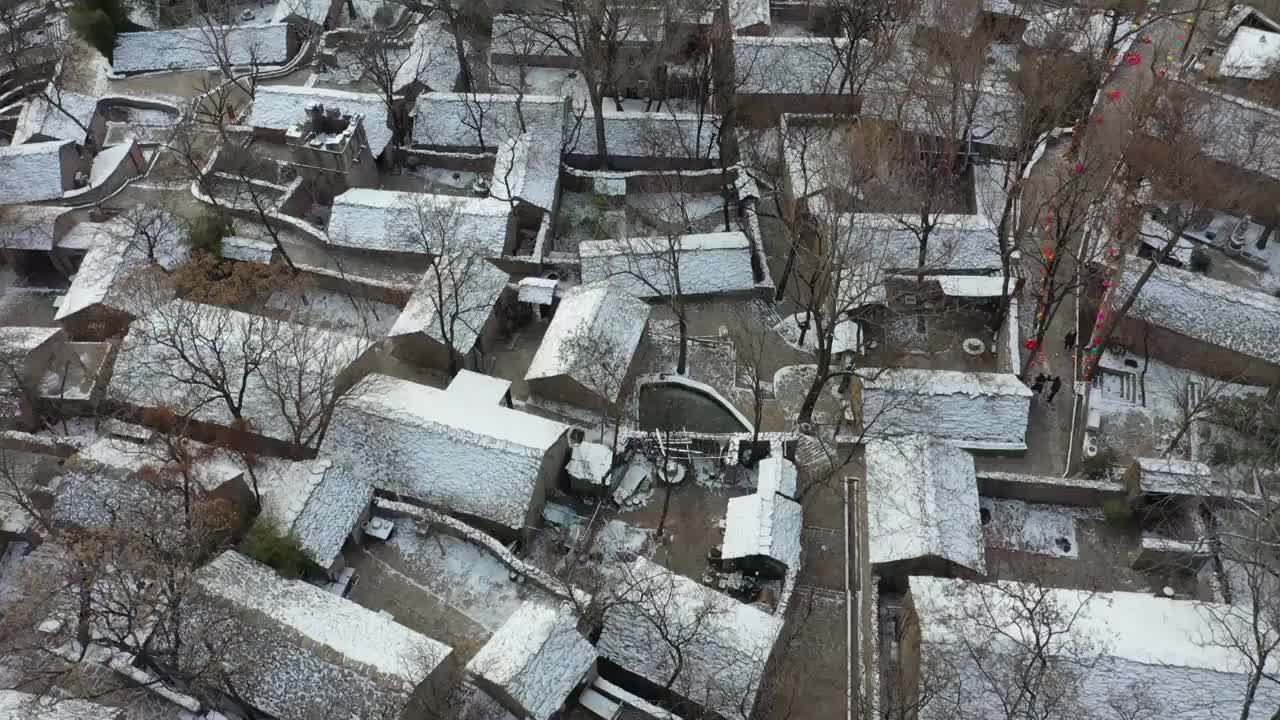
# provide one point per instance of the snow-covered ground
(1032, 528)
(463, 575)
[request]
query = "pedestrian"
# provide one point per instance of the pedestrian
(1038, 386)
(1055, 387)
(1069, 342)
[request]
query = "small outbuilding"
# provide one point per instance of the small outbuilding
(535, 662)
(405, 222)
(725, 645)
(973, 410)
(586, 356)
(922, 507)
(37, 171)
(708, 264)
(762, 534)
(1117, 641)
(455, 309)
(320, 505)
(192, 48)
(776, 475)
(461, 449)
(299, 651)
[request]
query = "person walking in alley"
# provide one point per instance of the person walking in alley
(1037, 387)
(1055, 387)
(1069, 342)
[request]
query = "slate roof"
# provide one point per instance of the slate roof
(596, 325)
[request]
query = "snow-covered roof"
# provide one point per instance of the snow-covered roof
(743, 14)
(29, 227)
(650, 135)
(319, 505)
(17, 705)
(432, 59)
(150, 371)
(527, 167)
(1172, 476)
(1211, 311)
(954, 245)
(32, 171)
(247, 249)
(483, 390)
(789, 65)
(536, 290)
(316, 11)
(460, 119)
(709, 263)
(107, 161)
(590, 462)
(112, 259)
(922, 502)
(725, 643)
(1253, 54)
(300, 651)
(1241, 133)
(972, 285)
(972, 410)
(280, 107)
(20, 340)
(776, 474)
(1177, 647)
(537, 658)
(459, 291)
(1241, 13)
(944, 382)
(763, 524)
(194, 47)
(443, 447)
(592, 339)
(100, 487)
(65, 118)
(393, 221)
(1079, 29)
(996, 116)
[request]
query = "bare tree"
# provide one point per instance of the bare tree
(1013, 650)
(154, 232)
(454, 291)
(597, 36)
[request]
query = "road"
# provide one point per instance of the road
(1107, 135)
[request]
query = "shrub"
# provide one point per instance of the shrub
(1200, 261)
(205, 233)
(1117, 512)
(1099, 466)
(265, 543)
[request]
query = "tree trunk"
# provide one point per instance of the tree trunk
(1006, 255)
(683, 362)
(786, 271)
(597, 109)
(814, 394)
(1265, 236)
(1114, 318)
(1112, 31)
(464, 66)
(666, 504)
